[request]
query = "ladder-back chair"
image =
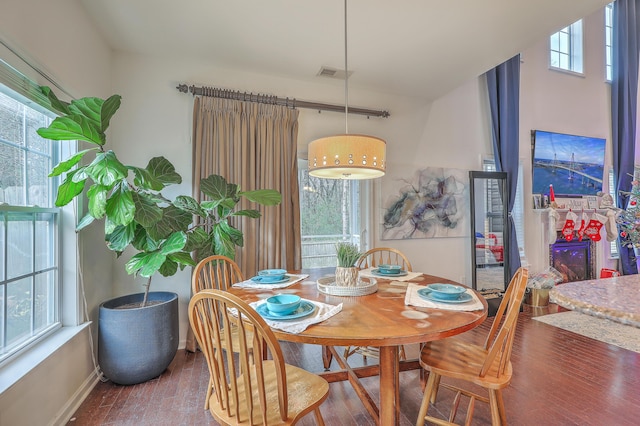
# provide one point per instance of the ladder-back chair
(488, 366)
(242, 391)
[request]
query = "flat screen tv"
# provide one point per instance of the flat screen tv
(574, 165)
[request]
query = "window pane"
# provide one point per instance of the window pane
(555, 42)
(555, 59)
(19, 246)
(564, 43)
(12, 175)
(44, 241)
(35, 120)
(19, 309)
(45, 297)
(564, 62)
(11, 120)
(38, 168)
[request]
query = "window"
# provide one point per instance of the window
(565, 52)
(612, 190)
(608, 36)
(29, 282)
(489, 165)
(329, 212)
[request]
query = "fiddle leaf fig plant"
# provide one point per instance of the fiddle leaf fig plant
(129, 199)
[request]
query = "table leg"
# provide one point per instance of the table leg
(389, 386)
(327, 357)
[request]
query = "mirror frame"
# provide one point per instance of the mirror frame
(502, 179)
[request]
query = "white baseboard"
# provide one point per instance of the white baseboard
(64, 415)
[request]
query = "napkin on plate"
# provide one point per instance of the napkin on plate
(413, 298)
(410, 275)
(252, 284)
(322, 312)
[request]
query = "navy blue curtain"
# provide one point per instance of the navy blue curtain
(624, 89)
(503, 84)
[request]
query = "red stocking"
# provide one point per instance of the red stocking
(583, 225)
(595, 225)
(569, 224)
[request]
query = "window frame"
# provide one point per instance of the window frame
(574, 51)
(608, 42)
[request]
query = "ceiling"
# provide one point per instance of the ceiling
(417, 48)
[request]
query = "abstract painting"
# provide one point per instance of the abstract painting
(433, 203)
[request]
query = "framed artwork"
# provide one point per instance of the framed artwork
(433, 202)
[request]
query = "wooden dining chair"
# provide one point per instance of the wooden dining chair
(265, 391)
(370, 259)
(218, 272)
(488, 366)
(381, 256)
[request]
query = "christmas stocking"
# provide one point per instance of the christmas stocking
(583, 225)
(611, 226)
(569, 224)
(553, 219)
(594, 226)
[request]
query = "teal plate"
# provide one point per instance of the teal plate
(425, 293)
(382, 274)
(306, 308)
(263, 280)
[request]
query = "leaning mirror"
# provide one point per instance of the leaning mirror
(489, 236)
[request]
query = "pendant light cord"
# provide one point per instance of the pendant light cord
(346, 75)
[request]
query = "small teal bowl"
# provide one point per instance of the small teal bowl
(283, 304)
(389, 269)
(446, 291)
(272, 274)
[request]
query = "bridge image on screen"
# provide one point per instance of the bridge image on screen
(574, 165)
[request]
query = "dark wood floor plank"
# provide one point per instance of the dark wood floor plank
(560, 378)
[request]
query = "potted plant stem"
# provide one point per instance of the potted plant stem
(138, 218)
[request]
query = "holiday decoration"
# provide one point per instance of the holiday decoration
(569, 224)
(629, 219)
(595, 225)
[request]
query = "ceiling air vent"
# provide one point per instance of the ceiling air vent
(332, 73)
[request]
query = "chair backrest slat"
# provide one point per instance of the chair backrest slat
(217, 272)
(238, 378)
(381, 256)
(500, 338)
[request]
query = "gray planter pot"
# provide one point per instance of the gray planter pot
(136, 345)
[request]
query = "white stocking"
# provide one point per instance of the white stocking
(553, 219)
(611, 226)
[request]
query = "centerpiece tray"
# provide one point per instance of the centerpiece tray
(327, 285)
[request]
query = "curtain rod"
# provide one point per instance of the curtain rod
(275, 100)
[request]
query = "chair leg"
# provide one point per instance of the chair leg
(318, 415)
(501, 410)
(434, 394)
(494, 403)
(431, 382)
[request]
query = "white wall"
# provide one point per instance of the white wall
(58, 37)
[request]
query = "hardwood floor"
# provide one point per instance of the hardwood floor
(560, 378)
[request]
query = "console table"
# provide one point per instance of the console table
(617, 298)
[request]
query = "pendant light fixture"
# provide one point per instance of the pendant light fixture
(347, 156)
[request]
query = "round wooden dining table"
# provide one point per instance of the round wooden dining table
(381, 320)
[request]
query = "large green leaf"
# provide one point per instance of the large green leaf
(169, 267)
(97, 110)
(71, 128)
(84, 222)
(174, 243)
(235, 235)
(57, 104)
(197, 240)
(68, 164)
(216, 188)
(146, 180)
(163, 170)
(182, 258)
(143, 241)
(68, 190)
(145, 264)
(254, 214)
(121, 237)
(147, 212)
(266, 197)
(120, 207)
(97, 196)
(222, 242)
(106, 169)
(173, 219)
(189, 204)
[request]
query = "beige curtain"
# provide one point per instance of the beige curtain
(255, 146)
